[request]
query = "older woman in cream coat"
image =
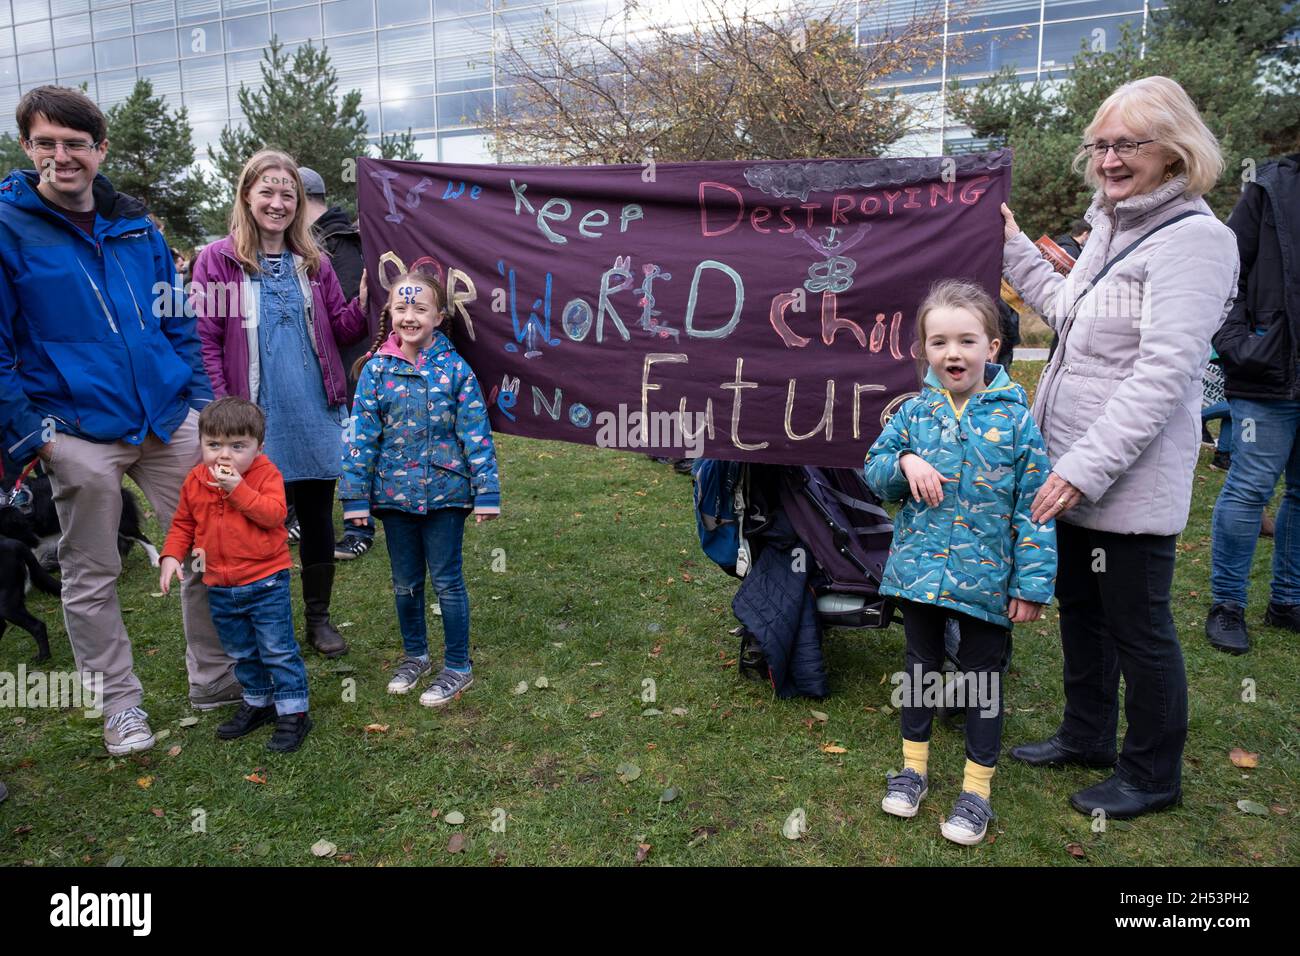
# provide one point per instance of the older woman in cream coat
(1118, 406)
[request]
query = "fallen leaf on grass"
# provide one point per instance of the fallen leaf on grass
(1250, 806)
(627, 772)
(819, 716)
(1076, 851)
(144, 783)
(656, 650)
(833, 749)
(1279, 810)
(323, 848)
(157, 811)
(595, 714)
(25, 828)
(434, 814)
(255, 777)
(174, 750)
(118, 860)
(541, 683)
(651, 712)
(520, 688)
(162, 734)
(455, 818)
(187, 721)
(678, 711)
(642, 852)
(729, 663)
(343, 858)
(796, 824)
(376, 728)
(1243, 758)
(456, 843)
(668, 796)
(700, 834)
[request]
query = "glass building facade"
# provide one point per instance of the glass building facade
(429, 64)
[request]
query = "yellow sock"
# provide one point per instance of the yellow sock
(916, 755)
(977, 778)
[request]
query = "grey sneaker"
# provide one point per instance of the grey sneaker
(445, 686)
(408, 672)
(969, 819)
(905, 792)
(223, 696)
(128, 732)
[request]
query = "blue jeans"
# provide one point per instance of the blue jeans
(1223, 412)
(255, 624)
(1274, 427)
(432, 540)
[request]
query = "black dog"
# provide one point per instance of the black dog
(17, 562)
(32, 513)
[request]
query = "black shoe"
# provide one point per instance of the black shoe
(1122, 801)
(1053, 753)
(1283, 615)
(1206, 438)
(246, 720)
(290, 732)
(1225, 628)
(1222, 461)
(292, 526)
(351, 546)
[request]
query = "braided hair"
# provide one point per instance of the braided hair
(386, 316)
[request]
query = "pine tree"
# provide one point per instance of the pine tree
(150, 155)
(12, 155)
(297, 109)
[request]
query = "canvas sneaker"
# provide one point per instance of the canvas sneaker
(904, 793)
(445, 687)
(408, 672)
(969, 820)
(224, 696)
(128, 732)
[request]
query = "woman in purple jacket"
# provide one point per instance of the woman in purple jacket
(271, 319)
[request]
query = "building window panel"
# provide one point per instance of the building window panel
(112, 23)
(245, 67)
(31, 37)
(151, 47)
(401, 81)
(203, 71)
(297, 24)
(457, 110)
(991, 50)
(468, 147)
(75, 59)
(71, 30)
(464, 73)
(115, 87)
(60, 7)
(1069, 9)
(113, 54)
(997, 13)
(34, 67)
(366, 81)
(352, 53)
(166, 80)
(81, 78)
(399, 115)
(457, 8)
(206, 103)
(1063, 41)
(405, 44)
(467, 37)
(200, 39)
(234, 8)
(8, 76)
(154, 14)
(395, 12)
(248, 31)
(187, 11)
(7, 41)
(348, 16)
(25, 10)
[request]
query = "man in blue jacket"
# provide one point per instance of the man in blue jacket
(97, 385)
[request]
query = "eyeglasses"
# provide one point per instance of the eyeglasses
(1123, 149)
(78, 147)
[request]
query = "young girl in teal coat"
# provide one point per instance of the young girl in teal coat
(967, 459)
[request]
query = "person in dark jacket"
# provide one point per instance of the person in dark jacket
(1257, 347)
(340, 238)
(1072, 241)
(100, 377)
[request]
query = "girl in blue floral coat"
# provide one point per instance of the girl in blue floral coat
(967, 459)
(419, 454)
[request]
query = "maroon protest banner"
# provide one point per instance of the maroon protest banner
(748, 311)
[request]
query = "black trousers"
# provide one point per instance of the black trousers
(313, 501)
(1113, 591)
(984, 652)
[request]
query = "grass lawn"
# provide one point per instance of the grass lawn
(603, 590)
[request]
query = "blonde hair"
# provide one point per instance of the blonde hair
(1156, 107)
(243, 228)
(386, 315)
(960, 294)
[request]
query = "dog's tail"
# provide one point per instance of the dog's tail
(41, 578)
